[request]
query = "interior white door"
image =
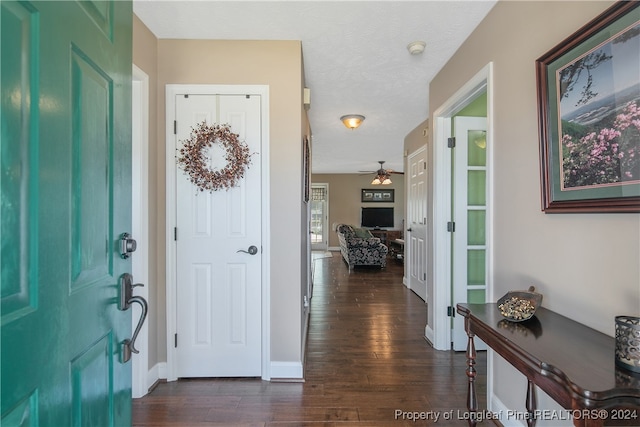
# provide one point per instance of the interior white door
(219, 326)
(470, 205)
(416, 236)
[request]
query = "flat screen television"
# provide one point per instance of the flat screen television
(377, 217)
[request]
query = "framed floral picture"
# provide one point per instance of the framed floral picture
(589, 116)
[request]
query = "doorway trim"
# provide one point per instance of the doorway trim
(440, 332)
(171, 91)
(141, 380)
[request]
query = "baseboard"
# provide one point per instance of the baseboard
(428, 334)
(158, 372)
(502, 412)
(305, 334)
(334, 249)
(286, 370)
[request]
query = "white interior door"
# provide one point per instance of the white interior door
(470, 215)
(416, 236)
(218, 287)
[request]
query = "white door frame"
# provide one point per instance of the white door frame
(440, 331)
(171, 169)
(140, 381)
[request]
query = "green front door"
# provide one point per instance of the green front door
(66, 131)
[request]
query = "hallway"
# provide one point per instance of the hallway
(367, 363)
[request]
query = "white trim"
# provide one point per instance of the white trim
(171, 91)
(287, 370)
(140, 222)
(491, 357)
(501, 410)
(482, 81)
(428, 334)
(441, 254)
(158, 372)
(489, 295)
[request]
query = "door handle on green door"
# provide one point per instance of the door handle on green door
(128, 346)
(125, 301)
(128, 245)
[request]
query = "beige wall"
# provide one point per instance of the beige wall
(345, 204)
(586, 265)
(416, 139)
(277, 64)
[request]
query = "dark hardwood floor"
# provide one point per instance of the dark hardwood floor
(367, 363)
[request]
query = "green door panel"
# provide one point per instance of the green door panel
(19, 159)
(66, 191)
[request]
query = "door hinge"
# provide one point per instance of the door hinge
(424, 276)
(451, 142)
(175, 233)
(451, 226)
(425, 165)
(451, 312)
(175, 127)
(175, 341)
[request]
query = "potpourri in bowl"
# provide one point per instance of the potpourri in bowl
(518, 306)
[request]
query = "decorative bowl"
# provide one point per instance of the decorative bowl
(518, 306)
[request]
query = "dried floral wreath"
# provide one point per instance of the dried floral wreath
(193, 159)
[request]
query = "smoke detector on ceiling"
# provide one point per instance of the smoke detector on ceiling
(416, 48)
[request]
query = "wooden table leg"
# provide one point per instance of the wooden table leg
(531, 404)
(472, 401)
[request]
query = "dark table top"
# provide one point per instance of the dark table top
(558, 347)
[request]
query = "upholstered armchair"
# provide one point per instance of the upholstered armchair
(359, 247)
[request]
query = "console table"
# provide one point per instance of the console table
(386, 236)
(396, 249)
(571, 362)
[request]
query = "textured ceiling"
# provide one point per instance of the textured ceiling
(356, 61)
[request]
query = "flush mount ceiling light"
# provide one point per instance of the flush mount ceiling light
(352, 121)
(416, 48)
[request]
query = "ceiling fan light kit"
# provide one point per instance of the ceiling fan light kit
(352, 121)
(381, 180)
(383, 176)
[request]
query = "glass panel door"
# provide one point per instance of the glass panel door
(319, 216)
(470, 262)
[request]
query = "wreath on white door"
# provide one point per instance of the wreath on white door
(194, 161)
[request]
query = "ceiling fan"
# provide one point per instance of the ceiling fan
(383, 176)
